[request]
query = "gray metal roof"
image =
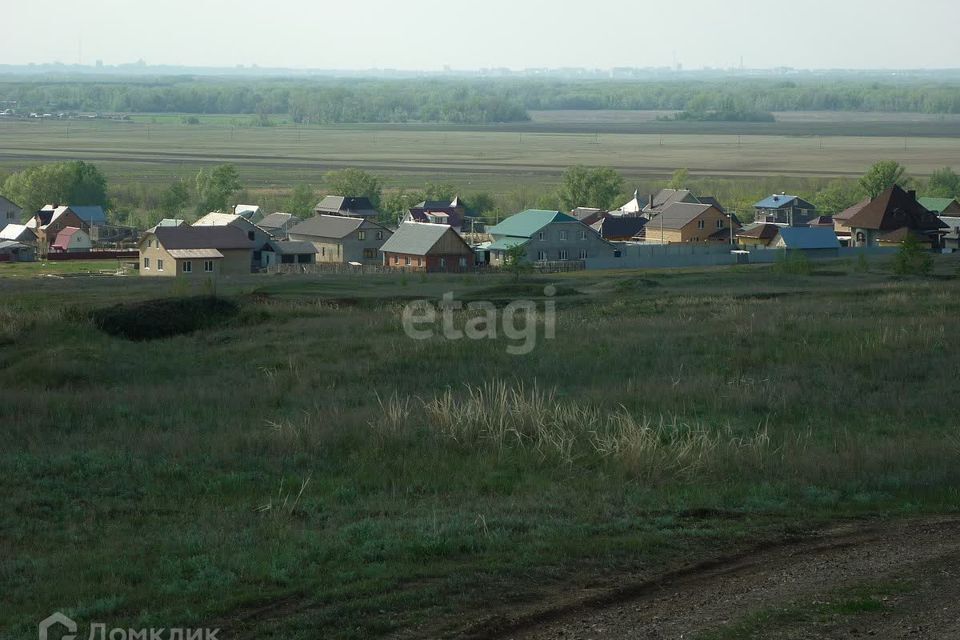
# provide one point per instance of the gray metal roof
(416, 238)
(677, 215)
(324, 226)
(346, 206)
(189, 237)
(276, 220)
(291, 247)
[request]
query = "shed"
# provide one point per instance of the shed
(812, 241)
(425, 246)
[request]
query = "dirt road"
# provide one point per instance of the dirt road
(882, 580)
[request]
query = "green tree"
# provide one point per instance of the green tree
(882, 176)
(839, 195)
(355, 183)
(396, 205)
(679, 179)
(302, 200)
(175, 198)
(443, 192)
(481, 203)
(912, 258)
(75, 182)
(590, 187)
(515, 261)
(944, 183)
(216, 187)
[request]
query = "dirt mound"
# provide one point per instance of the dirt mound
(164, 318)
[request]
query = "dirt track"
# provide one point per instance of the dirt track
(899, 580)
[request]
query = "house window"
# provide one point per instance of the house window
(541, 236)
(251, 236)
(188, 266)
(583, 254)
(563, 235)
(583, 235)
(361, 235)
(419, 262)
(720, 224)
(146, 264)
(406, 261)
(463, 262)
(208, 266)
(541, 255)
(369, 253)
(562, 254)
(379, 235)
(323, 251)
(700, 224)
(159, 264)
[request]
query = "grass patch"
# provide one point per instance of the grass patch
(155, 319)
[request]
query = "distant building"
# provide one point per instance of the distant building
(255, 234)
(887, 220)
(249, 212)
(288, 252)
(453, 214)
(547, 236)
(759, 234)
(50, 221)
(10, 212)
(13, 251)
(278, 224)
(93, 215)
(636, 205)
(781, 208)
(70, 240)
(657, 202)
(811, 241)
(941, 206)
(343, 239)
(620, 228)
(342, 206)
(685, 222)
(19, 233)
(192, 252)
(951, 238)
(425, 246)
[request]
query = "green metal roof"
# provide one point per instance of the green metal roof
(526, 223)
(937, 205)
(505, 243)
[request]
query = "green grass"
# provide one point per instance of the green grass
(314, 457)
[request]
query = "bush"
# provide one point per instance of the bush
(164, 318)
(793, 262)
(912, 259)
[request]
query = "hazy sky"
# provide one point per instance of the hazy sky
(428, 34)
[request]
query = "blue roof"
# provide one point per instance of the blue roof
(91, 214)
(808, 238)
(775, 201)
(506, 243)
(526, 223)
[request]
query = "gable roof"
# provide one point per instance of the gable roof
(203, 237)
(91, 214)
(248, 211)
(666, 197)
(326, 226)
(937, 205)
(16, 232)
(171, 222)
(526, 223)
(619, 226)
(953, 226)
(892, 209)
(808, 238)
(713, 201)
(359, 206)
(678, 215)
(64, 237)
(760, 231)
(276, 220)
(418, 238)
(851, 211)
(290, 247)
(218, 219)
(10, 202)
(781, 200)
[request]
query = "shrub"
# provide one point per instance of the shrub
(912, 259)
(163, 318)
(793, 262)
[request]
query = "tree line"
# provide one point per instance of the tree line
(465, 101)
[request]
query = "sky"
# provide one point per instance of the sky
(517, 34)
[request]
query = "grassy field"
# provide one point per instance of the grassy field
(493, 158)
(307, 470)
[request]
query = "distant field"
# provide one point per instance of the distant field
(477, 158)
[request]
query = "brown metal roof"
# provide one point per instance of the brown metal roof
(892, 209)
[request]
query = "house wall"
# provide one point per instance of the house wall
(79, 241)
(431, 263)
(692, 232)
(197, 270)
(234, 261)
(350, 248)
(47, 235)
(9, 213)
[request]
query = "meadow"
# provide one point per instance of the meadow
(304, 469)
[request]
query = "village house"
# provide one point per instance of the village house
(93, 215)
(50, 221)
(814, 242)
(71, 240)
(952, 237)
(249, 212)
(351, 207)
(453, 214)
(255, 234)
(666, 197)
(19, 233)
(10, 212)
(695, 223)
(278, 224)
(941, 206)
(887, 220)
(195, 252)
(342, 239)
(785, 209)
(636, 205)
(548, 236)
(13, 251)
(758, 234)
(620, 228)
(426, 246)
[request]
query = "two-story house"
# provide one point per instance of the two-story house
(50, 221)
(10, 212)
(694, 223)
(548, 236)
(195, 252)
(781, 208)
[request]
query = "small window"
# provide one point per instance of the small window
(463, 261)
(208, 266)
(541, 255)
(406, 261)
(583, 254)
(361, 235)
(146, 264)
(159, 264)
(251, 236)
(700, 224)
(188, 266)
(369, 253)
(323, 251)
(563, 235)
(379, 235)
(541, 235)
(583, 235)
(720, 224)
(562, 254)
(443, 263)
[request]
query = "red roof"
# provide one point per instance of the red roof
(63, 238)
